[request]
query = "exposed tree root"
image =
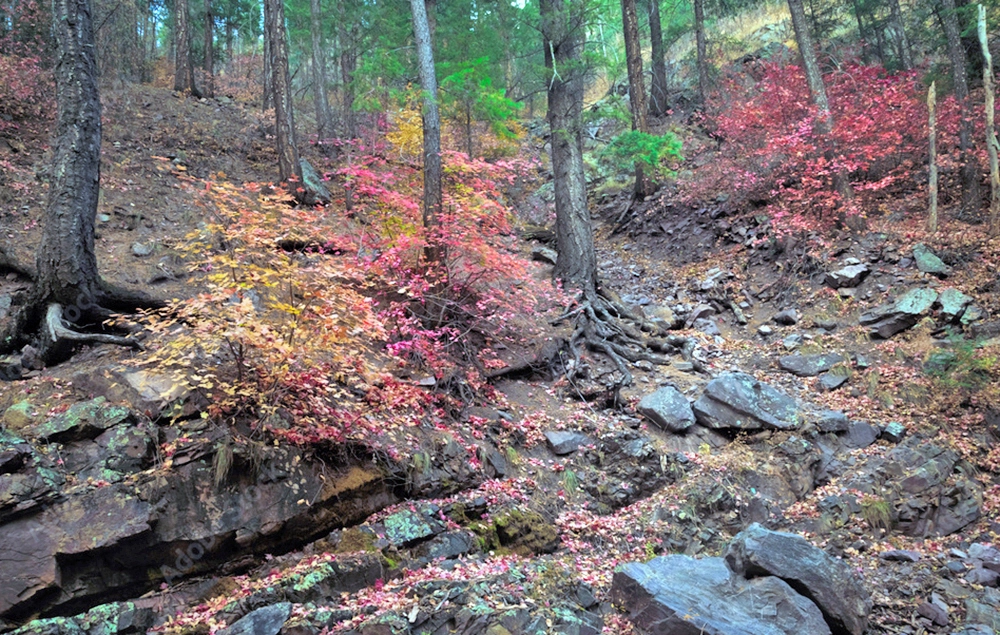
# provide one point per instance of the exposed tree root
(57, 330)
(602, 326)
(45, 323)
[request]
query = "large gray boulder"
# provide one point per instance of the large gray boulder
(887, 320)
(809, 365)
(680, 595)
(829, 582)
(667, 408)
(738, 400)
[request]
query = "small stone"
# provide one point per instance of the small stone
(900, 555)
(955, 567)
(826, 325)
(928, 262)
(849, 276)
(894, 432)
(18, 416)
(667, 408)
(788, 317)
(793, 341)
(685, 367)
(832, 421)
(765, 330)
(831, 381)
(933, 613)
(104, 218)
(953, 303)
(860, 434)
(982, 577)
(565, 442)
(544, 254)
(140, 250)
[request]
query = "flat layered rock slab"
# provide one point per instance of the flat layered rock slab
(686, 596)
(738, 400)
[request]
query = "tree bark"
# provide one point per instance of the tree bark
(817, 91)
(288, 154)
(432, 128)
(348, 65)
(658, 89)
(932, 185)
(971, 194)
(324, 121)
(701, 61)
(267, 100)
(902, 42)
(991, 135)
(67, 284)
(183, 65)
(644, 185)
(562, 32)
(209, 50)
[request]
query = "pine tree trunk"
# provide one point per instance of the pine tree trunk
(288, 155)
(902, 42)
(971, 194)
(324, 121)
(862, 32)
(267, 101)
(576, 265)
(932, 221)
(348, 65)
(991, 135)
(209, 50)
(701, 61)
(183, 65)
(658, 90)
(644, 185)
(899, 32)
(67, 285)
(66, 262)
(432, 127)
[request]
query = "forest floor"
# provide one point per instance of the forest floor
(532, 535)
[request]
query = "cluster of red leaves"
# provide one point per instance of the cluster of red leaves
(772, 153)
(482, 281)
(306, 333)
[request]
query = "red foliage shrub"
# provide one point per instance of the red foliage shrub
(879, 140)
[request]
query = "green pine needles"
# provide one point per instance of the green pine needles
(634, 148)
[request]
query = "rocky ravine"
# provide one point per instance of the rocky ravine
(118, 519)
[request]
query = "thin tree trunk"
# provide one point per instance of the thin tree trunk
(348, 65)
(288, 155)
(971, 195)
(701, 61)
(902, 42)
(183, 65)
(658, 89)
(862, 32)
(562, 32)
(932, 222)
(267, 101)
(817, 91)
(644, 185)
(991, 135)
(324, 122)
(432, 128)
(209, 50)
